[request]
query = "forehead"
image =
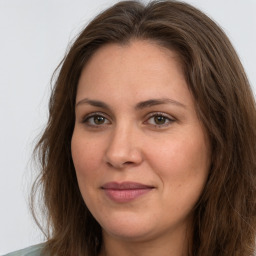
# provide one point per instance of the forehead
(136, 51)
(140, 68)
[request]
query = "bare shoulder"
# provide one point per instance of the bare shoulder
(35, 250)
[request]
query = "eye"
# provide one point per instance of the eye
(96, 120)
(160, 119)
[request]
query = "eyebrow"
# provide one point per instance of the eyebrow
(155, 102)
(139, 106)
(95, 103)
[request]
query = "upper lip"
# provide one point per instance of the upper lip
(125, 185)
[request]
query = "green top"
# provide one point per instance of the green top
(34, 250)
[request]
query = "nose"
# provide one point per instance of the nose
(123, 148)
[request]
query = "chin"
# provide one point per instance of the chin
(135, 227)
(128, 227)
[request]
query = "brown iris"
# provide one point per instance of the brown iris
(99, 120)
(159, 120)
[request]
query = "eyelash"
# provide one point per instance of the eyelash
(167, 119)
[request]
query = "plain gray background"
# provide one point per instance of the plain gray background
(34, 37)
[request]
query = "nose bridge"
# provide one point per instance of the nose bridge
(123, 147)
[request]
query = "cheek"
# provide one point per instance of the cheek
(183, 167)
(181, 160)
(86, 158)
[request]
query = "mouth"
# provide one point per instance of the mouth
(125, 191)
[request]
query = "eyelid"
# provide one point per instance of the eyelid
(159, 113)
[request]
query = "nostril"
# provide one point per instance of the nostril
(121, 165)
(128, 163)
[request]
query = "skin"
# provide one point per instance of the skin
(162, 144)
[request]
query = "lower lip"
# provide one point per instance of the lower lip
(125, 195)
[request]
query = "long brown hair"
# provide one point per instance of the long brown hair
(224, 217)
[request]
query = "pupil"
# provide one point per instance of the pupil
(160, 119)
(99, 119)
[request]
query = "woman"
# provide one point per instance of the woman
(150, 144)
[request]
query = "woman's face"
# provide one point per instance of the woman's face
(140, 152)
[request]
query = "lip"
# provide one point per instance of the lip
(125, 191)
